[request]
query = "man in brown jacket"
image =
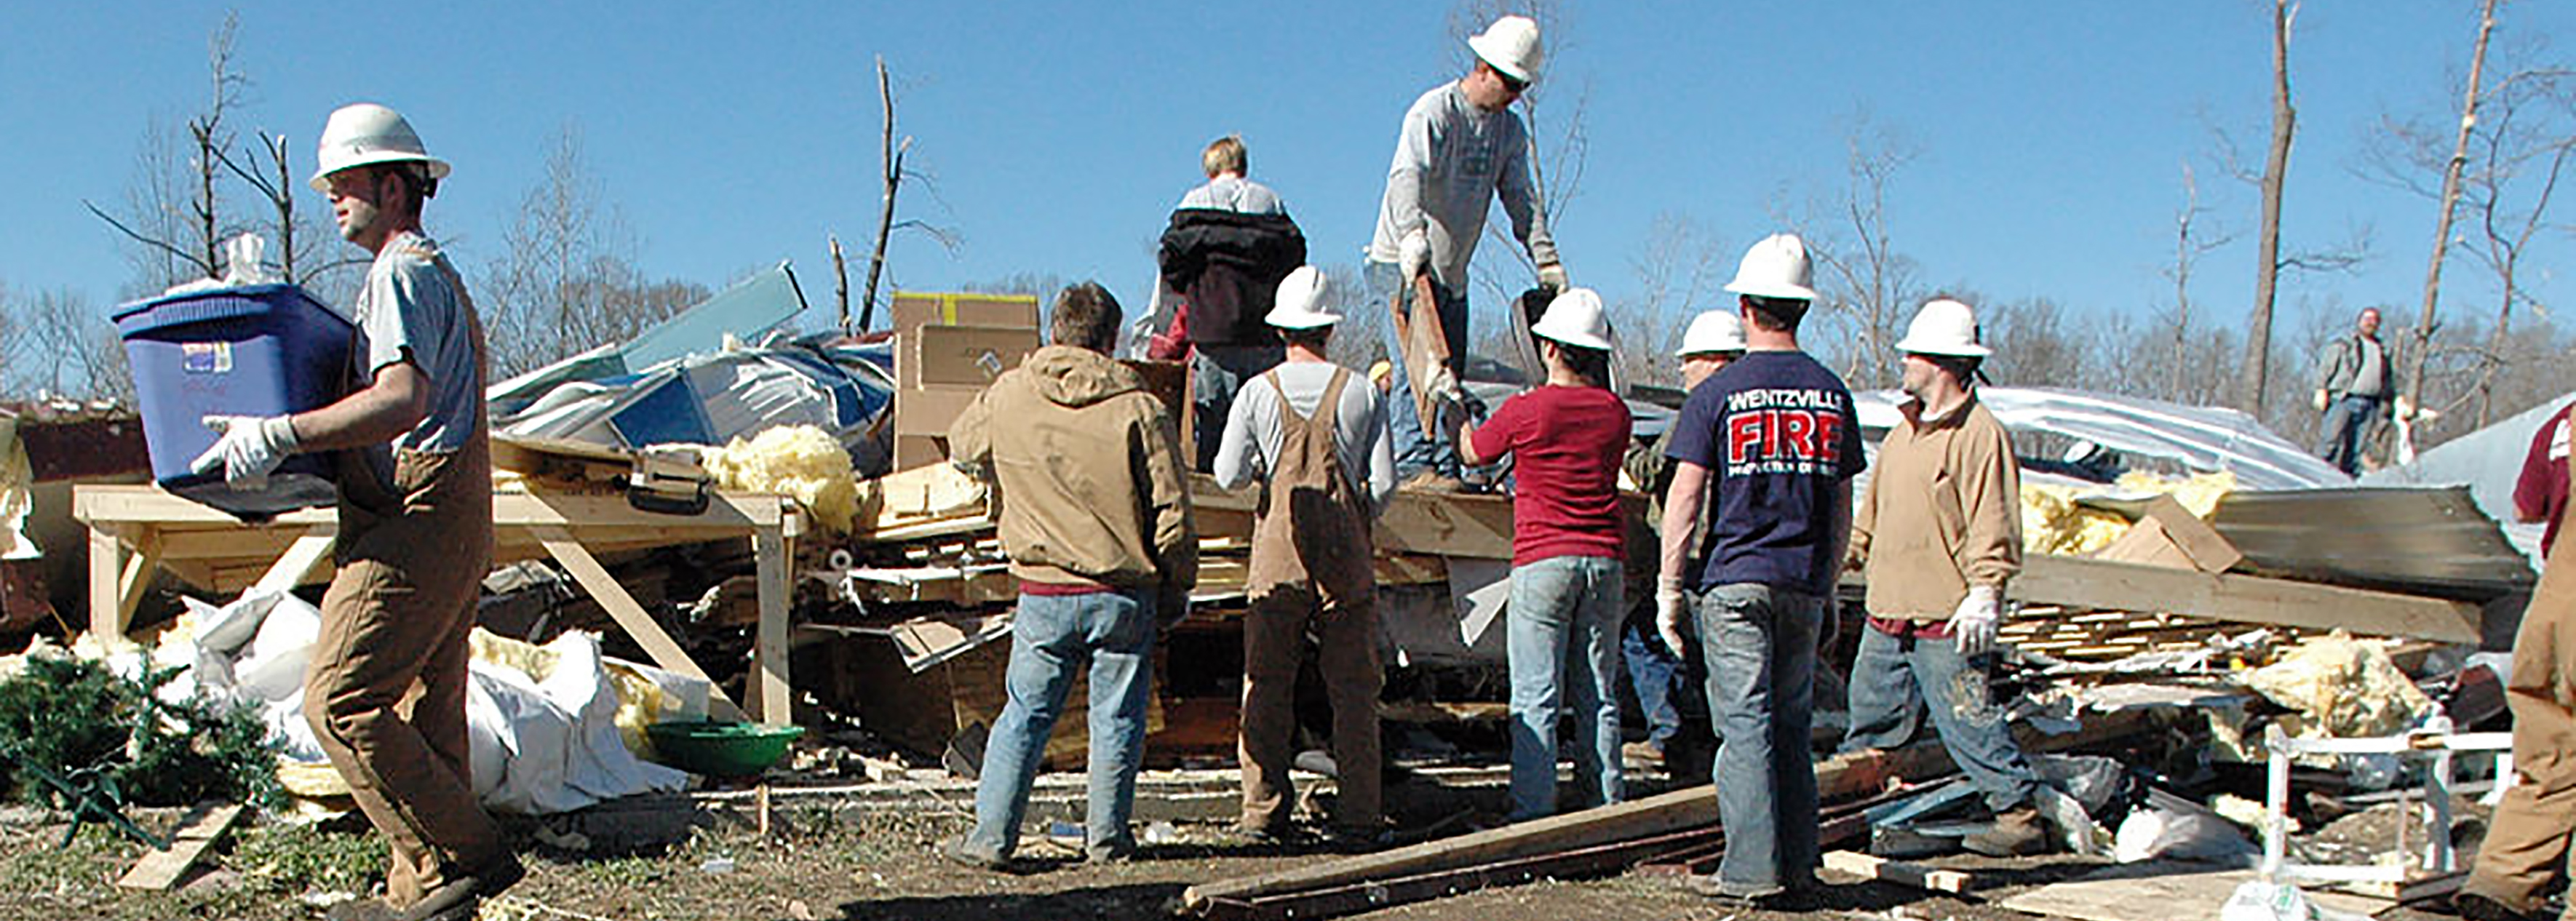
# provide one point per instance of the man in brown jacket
(1943, 515)
(1086, 473)
(2527, 844)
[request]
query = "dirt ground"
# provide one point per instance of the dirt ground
(832, 862)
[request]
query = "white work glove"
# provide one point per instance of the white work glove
(1442, 385)
(1412, 252)
(1669, 609)
(1552, 276)
(2319, 401)
(247, 449)
(1979, 617)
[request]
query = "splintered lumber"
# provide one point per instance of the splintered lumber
(1896, 871)
(1842, 776)
(2079, 582)
(198, 830)
(1361, 896)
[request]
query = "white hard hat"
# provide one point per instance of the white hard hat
(1301, 301)
(364, 133)
(1511, 45)
(1775, 267)
(1713, 331)
(1575, 318)
(1943, 327)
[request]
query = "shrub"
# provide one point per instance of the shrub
(66, 717)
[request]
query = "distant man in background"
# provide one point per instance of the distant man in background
(1666, 682)
(1775, 435)
(386, 687)
(2540, 494)
(1095, 517)
(1222, 257)
(2356, 389)
(1937, 535)
(1314, 434)
(1460, 147)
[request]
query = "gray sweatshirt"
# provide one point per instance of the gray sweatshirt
(1451, 158)
(1253, 432)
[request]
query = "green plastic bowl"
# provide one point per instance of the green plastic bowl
(718, 749)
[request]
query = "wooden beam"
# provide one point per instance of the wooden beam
(307, 554)
(1897, 871)
(198, 830)
(630, 615)
(2075, 581)
(730, 512)
(106, 554)
(772, 555)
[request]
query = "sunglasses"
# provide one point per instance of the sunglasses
(1514, 87)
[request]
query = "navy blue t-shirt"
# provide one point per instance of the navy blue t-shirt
(1778, 435)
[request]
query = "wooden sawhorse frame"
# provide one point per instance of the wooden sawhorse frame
(133, 529)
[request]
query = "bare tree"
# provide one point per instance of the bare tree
(894, 174)
(182, 230)
(2516, 159)
(2267, 258)
(2450, 199)
(77, 351)
(564, 283)
(1678, 274)
(1866, 283)
(2192, 240)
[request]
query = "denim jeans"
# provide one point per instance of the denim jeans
(2348, 421)
(1895, 680)
(1656, 675)
(1761, 649)
(1217, 373)
(1051, 636)
(1561, 633)
(1413, 452)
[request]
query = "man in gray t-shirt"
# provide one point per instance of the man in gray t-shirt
(1460, 148)
(2356, 391)
(386, 686)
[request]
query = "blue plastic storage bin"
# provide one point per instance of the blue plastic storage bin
(255, 350)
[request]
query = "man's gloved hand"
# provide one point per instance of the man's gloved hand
(2319, 401)
(1980, 615)
(1552, 276)
(247, 449)
(1412, 252)
(1669, 609)
(1442, 385)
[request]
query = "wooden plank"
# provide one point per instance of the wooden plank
(772, 553)
(730, 512)
(1374, 894)
(2159, 892)
(2242, 599)
(631, 616)
(307, 554)
(106, 553)
(2209, 551)
(197, 831)
(1896, 871)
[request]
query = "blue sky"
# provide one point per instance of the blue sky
(728, 136)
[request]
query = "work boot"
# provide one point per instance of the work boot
(1433, 481)
(457, 898)
(2478, 906)
(1642, 753)
(2018, 832)
(959, 852)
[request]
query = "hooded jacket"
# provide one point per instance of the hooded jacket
(1086, 471)
(1227, 267)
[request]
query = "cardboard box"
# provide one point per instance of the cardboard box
(959, 356)
(912, 451)
(913, 309)
(930, 410)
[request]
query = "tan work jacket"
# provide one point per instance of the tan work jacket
(1942, 512)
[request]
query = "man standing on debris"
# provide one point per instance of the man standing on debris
(1460, 147)
(1229, 244)
(1313, 433)
(1938, 534)
(2356, 387)
(1776, 437)
(1666, 682)
(1095, 517)
(386, 687)
(1565, 438)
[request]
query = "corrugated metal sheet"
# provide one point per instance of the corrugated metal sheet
(2431, 541)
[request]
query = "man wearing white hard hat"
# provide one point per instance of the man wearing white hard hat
(1937, 536)
(1561, 627)
(1460, 147)
(1667, 682)
(1314, 435)
(1776, 439)
(386, 687)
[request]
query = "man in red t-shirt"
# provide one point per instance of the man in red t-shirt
(1566, 438)
(2541, 494)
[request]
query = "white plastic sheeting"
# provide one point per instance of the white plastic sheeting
(537, 745)
(2204, 439)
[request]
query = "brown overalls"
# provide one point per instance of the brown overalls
(1311, 567)
(386, 687)
(2527, 841)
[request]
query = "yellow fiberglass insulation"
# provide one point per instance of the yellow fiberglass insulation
(2052, 522)
(792, 460)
